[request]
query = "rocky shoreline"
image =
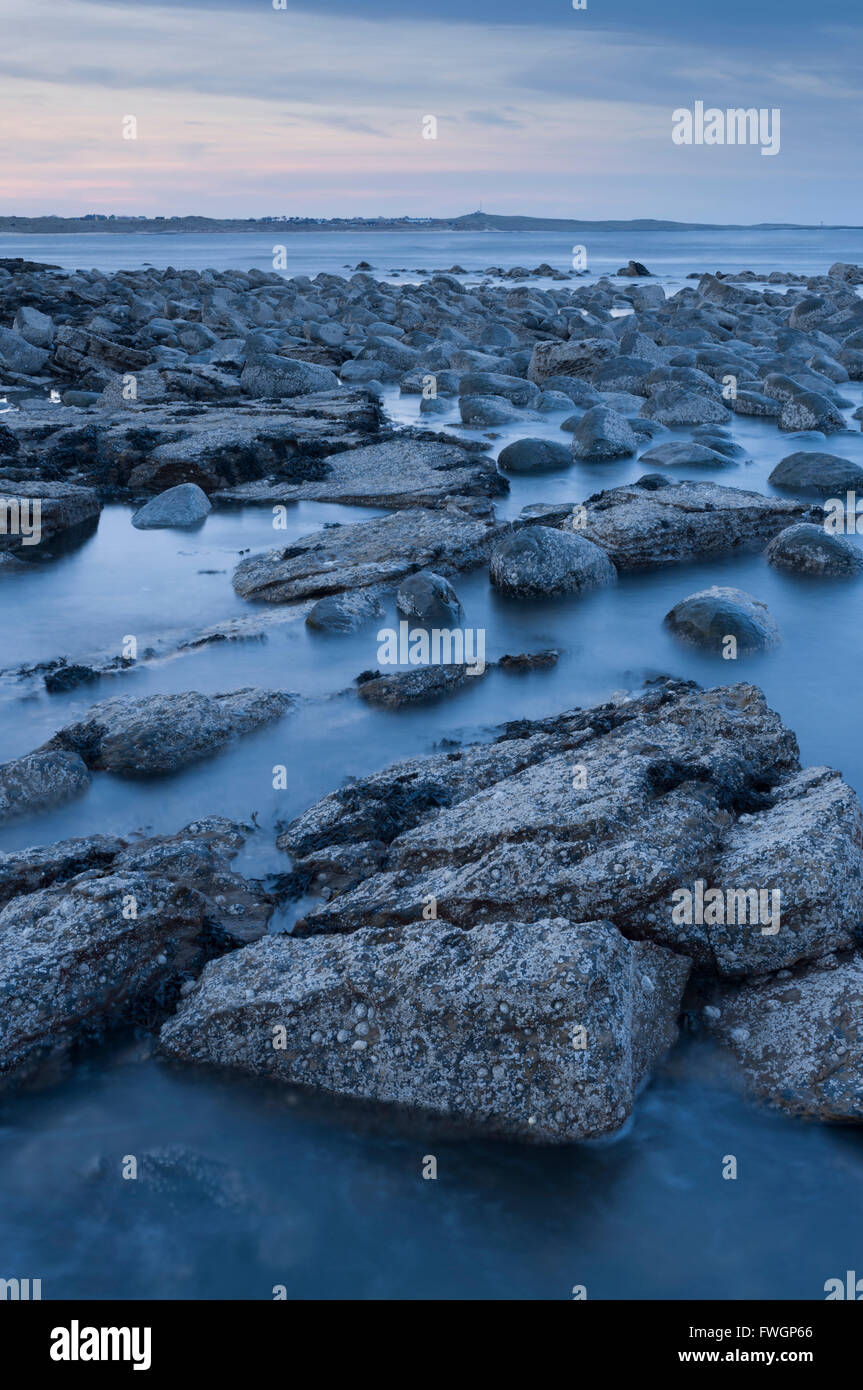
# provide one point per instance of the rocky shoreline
(497, 934)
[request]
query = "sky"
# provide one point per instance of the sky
(242, 109)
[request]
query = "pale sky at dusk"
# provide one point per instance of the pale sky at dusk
(244, 110)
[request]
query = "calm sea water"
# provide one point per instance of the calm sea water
(670, 255)
(252, 1187)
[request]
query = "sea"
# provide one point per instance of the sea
(250, 1189)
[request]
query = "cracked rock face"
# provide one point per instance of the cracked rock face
(97, 932)
(537, 1031)
(798, 1037)
(603, 813)
(72, 964)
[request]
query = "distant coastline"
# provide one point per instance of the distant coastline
(470, 222)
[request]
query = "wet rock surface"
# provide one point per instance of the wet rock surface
(154, 735)
(643, 526)
(455, 537)
(709, 618)
(808, 549)
(483, 1027)
(98, 933)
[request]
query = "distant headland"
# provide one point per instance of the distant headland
(469, 222)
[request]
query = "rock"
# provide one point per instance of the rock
(793, 854)
(538, 562)
(614, 812)
(685, 454)
(602, 434)
(429, 598)
(852, 274)
(74, 964)
(710, 617)
(269, 376)
(755, 403)
(826, 474)
(366, 553)
(33, 512)
(19, 355)
(483, 411)
(514, 389)
(577, 358)
(412, 687)
(633, 268)
(27, 870)
(481, 1027)
(39, 781)
(184, 505)
(809, 549)
(36, 327)
(345, 612)
(796, 1036)
(394, 473)
(640, 526)
(811, 411)
(528, 661)
(624, 373)
(533, 456)
(66, 677)
(156, 734)
(671, 405)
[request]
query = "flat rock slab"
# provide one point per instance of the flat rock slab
(539, 1031)
(146, 449)
(396, 473)
(364, 553)
(156, 734)
(639, 527)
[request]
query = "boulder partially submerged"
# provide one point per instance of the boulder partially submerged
(156, 734)
(97, 933)
(542, 1030)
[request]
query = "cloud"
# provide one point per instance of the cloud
(566, 115)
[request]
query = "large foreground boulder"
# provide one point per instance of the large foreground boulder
(603, 813)
(540, 1030)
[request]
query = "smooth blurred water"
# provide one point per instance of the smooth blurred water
(327, 1198)
(670, 255)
